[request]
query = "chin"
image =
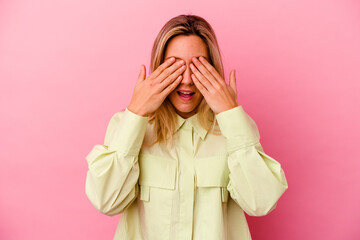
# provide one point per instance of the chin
(186, 110)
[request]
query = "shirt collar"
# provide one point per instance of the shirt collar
(193, 121)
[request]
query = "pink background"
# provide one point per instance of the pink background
(67, 66)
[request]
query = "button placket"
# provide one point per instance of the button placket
(187, 197)
(188, 138)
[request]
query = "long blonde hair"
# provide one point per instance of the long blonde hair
(164, 118)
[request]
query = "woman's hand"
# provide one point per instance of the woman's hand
(149, 93)
(217, 93)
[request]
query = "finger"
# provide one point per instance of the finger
(173, 77)
(200, 77)
(210, 68)
(142, 73)
(201, 68)
(199, 85)
(162, 67)
(233, 81)
(171, 87)
(169, 71)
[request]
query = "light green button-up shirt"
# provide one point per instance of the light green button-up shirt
(198, 190)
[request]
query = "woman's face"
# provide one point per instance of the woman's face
(184, 48)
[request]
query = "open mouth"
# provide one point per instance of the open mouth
(185, 93)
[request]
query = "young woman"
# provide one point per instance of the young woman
(183, 160)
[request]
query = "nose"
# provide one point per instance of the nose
(187, 80)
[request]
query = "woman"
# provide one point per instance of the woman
(173, 157)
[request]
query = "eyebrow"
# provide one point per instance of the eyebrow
(193, 56)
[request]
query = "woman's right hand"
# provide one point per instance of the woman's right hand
(150, 92)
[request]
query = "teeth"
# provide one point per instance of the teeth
(188, 93)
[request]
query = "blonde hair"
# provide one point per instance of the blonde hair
(164, 118)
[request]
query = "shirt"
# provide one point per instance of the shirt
(198, 190)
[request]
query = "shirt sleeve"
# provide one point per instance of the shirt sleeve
(113, 169)
(256, 180)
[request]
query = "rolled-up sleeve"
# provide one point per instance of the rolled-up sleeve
(113, 169)
(256, 180)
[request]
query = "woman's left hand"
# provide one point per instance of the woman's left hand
(217, 93)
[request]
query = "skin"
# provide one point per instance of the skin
(194, 46)
(150, 92)
(198, 75)
(219, 95)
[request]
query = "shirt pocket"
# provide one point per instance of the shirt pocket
(157, 181)
(213, 172)
(156, 172)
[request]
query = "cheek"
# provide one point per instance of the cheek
(173, 93)
(172, 96)
(200, 97)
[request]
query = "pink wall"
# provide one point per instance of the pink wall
(67, 66)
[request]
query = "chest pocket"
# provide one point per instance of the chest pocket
(213, 172)
(155, 172)
(157, 181)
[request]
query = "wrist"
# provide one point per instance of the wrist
(137, 111)
(227, 108)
